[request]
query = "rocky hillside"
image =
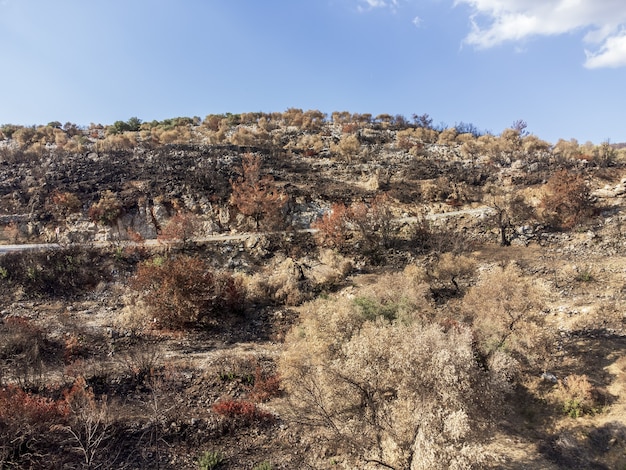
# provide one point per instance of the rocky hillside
(292, 290)
(162, 168)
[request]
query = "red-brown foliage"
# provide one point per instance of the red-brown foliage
(567, 200)
(26, 421)
(107, 210)
(243, 411)
(265, 386)
(184, 291)
(182, 227)
(332, 227)
(64, 203)
(21, 408)
(257, 195)
(369, 224)
(79, 396)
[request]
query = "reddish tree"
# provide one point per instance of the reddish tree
(332, 227)
(368, 224)
(181, 228)
(257, 195)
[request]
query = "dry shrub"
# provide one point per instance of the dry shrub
(437, 190)
(285, 281)
(184, 291)
(577, 395)
(567, 149)
(107, 210)
(308, 144)
(142, 362)
(348, 147)
(182, 228)
(567, 200)
(448, 136)
(234, 367)
(24, 350)
(331, 270)
(125, 141)
(400, 296)
(282, 281)
(406, 139)
(26, 420)
(136, 316)
(389, 393)
(505, 311)
(450, 273)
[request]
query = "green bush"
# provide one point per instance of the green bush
(577, 395)
(263, 466)
(372, 308)
(210, 460)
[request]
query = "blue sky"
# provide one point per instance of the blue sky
(558, 64)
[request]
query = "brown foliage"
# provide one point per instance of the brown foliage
(374, 222)
(368, 225)
(64, 203)
(184, 291)
(89, 422)
(182, 227)
(567, 200)
(332, 227)
(256, 195)
(107, 210)
(22, 349)
(266, 386)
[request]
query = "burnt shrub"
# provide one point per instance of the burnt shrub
(25, 351)
(567, 200)
(53, 273)
(26, 421)
(184, 292)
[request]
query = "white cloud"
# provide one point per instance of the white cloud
(499, 21)
(378, 4)
(417, 21)
(612, 53)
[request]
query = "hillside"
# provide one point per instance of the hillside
(293, 290)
